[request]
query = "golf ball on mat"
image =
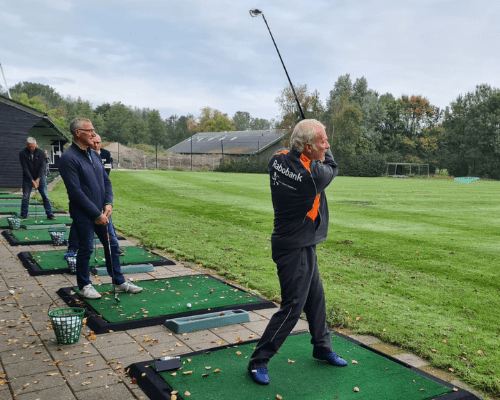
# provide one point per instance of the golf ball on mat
(188, 305)
(131, 279)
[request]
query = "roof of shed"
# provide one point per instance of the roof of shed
(234, 142)
(45, 127)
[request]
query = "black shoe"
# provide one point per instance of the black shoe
(52, 217)
(24, 218)
(121, 252)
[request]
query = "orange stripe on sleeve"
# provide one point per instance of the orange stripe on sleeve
(313, 213)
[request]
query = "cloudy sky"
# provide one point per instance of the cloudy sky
(179, 56)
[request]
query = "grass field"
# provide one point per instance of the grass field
(412, 261)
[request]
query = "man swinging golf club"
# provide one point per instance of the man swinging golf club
(299, 178)
(90, 206)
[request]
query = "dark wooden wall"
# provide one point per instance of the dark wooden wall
(14, 127)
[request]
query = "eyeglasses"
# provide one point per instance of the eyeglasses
(88, 130)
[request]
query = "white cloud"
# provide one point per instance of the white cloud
(182, 55)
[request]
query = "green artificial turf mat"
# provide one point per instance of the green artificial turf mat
(17, 203)
(47, 260)
(34, 236)
(40, 220)
(32, 209)
(170, 296)
(295, 374)
(5, 195)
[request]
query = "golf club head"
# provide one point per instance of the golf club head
(255, 13)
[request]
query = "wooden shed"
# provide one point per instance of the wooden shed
(17, 123)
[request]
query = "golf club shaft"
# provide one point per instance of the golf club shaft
(111, 263)
(286, 72)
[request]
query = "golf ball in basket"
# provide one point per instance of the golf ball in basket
(189, 305)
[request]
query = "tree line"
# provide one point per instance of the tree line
(366, 129)
(130, 125)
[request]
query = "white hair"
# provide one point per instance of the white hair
(31, 140)
(304, 132)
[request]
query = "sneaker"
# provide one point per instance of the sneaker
(332, 359)
(121, 252)
(127, 287)
(259, 375)
(24, 217)
(51, 217)
(90, 293)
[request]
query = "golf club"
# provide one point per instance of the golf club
(36, 204)
(95, 250)
(256, 13)
(112, 270)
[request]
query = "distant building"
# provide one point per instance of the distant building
(235, 143)
(17, 123)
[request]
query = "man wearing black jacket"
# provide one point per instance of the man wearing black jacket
(107, 160)
(299, 178)
(90, 205)
(33, 163)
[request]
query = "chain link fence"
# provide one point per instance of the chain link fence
(194, 159)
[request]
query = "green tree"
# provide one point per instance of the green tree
(471, 134)
(242, 120)
(211, 120)
(139, 130)
(47, 94)
(260, 124)
(35, 102)
(117, 123)
(157, 128)
(177, 129)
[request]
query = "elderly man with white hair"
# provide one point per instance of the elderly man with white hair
(33, 163)
(299, 178)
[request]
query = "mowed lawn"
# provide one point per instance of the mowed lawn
(412, 261)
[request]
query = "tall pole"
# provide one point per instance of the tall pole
(192, 152)
(255, 13)
(5, 80)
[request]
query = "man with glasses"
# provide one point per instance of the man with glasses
(90, 205)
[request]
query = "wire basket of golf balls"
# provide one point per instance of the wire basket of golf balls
(71, 260)
(14, 222)
(58, 236)
(67, 324)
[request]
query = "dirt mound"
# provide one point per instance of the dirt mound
(125, 151)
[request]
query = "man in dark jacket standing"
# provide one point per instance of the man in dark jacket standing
(299, 178)
(107, 160)
(90, 206)
(33, 162)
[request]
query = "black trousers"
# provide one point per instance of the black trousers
(301, 289)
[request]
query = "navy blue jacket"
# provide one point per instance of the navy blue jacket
(88, 185)
(107, 160)
(298, 192)
(32, 169)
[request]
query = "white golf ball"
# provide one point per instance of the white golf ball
(131, 279)
(41, 222)
(188, 305)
